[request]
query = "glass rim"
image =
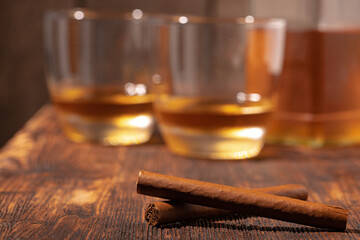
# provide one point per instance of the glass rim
(88, 14)
(192, 19)
(159, 18)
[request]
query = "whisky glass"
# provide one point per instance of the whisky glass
(319, 94)
(98, 73)
(214, 83)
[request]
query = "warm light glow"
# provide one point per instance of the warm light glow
(141, 121)
(254, 97)
(134, 121)
(78, 15)
(183, 19)
(249, 19)
(252, 133)
(127, 137)
(130, 129)
(137, 14)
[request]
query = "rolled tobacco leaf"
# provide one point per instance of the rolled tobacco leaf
(170, 211)
(242, 200)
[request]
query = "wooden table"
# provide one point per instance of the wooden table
(53, 189)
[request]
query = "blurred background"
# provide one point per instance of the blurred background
(22, 80)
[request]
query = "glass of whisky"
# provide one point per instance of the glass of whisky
(319, 88)
(97, 75)
(214, 83)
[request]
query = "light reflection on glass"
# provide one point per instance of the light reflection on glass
(132, 89)
(125, 137)
(252, 133)
(249, 19)
(140, 121)
(137, 14)
(252, 97)
(156, 78)
(183, 19)
(78, 15)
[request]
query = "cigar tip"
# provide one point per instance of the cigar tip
(137, 181)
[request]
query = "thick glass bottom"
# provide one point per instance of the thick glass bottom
(222, 144)
(120, 130)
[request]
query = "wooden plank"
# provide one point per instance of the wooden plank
(51, 188)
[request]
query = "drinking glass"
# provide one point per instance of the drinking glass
(97, 75)
(319, 94)
(214, 83)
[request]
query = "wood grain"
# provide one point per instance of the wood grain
(52, 188)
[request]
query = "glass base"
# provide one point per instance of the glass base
(332, 130)
(125, 130)
(224, 144)
(311, 142)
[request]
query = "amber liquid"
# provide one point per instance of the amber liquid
(319, 90)
(104, 115)
(213, 128)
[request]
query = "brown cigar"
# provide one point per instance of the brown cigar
(169, 211)
(241, 200)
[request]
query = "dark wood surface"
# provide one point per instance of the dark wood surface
(51, 188)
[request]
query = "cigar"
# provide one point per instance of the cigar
(242, 200)
(158, 213)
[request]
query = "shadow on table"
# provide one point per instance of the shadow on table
(156, 138)
(242, 227)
